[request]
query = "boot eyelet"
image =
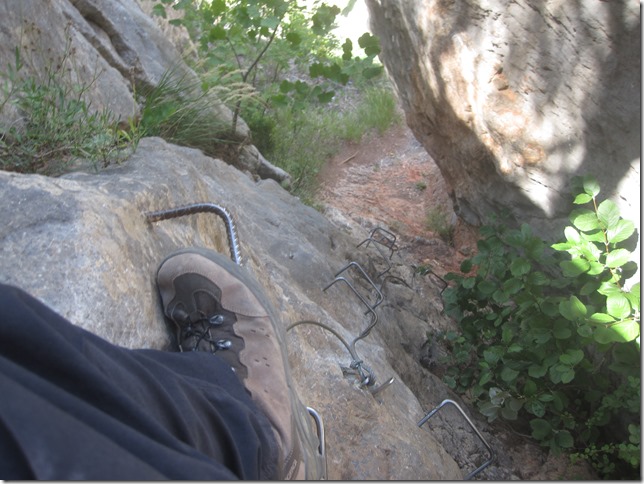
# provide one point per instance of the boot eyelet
(216, 320)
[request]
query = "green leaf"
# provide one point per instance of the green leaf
(567, 375)
(572, 309)
(216, 33)
(369, 43)
(159, 10)
(217, 7)
(515, 404)
(536, 408)
(549, 309)
(537, 371)
(626, 330)
(518, 267)
(585, 331)
(617, 305)
(596, 268)
(590, 185)
(371, 72)
(529, 388)
(561, 246)
(582, 198)
(589, 288)
(492, 356)
(466, 266)
(537, 278)
(509, 413)
(634, 296)
(617, 333)
(608, 213)
(564, 439)
(572, 235)
(486, 376)
(541, 429)
(513, 285)
(571, 357)
(561, 330)
(490, 410)
(325, 97)
(515, 348)
(574, 267)
(601, 318)
(469, 282)
(594, 236)
(508, 374)
(585, 220)
(294, 38)
(270, 22)
(617, 257)
(486, 287)
(621, 231)
(607, 288)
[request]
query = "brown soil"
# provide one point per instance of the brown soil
(390, 181)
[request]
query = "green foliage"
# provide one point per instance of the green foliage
(437, 222)
(184, 111)
(274, 63)
(302, 140)
(57, 127)
(263, 41)
(551, 338)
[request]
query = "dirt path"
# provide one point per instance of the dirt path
(391, 181)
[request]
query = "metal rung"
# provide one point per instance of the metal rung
(388, 240)
(222, 212)
(379, 298)
(476, 431)
(319, 426)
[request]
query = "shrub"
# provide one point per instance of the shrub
(549, 339)
(57, 126)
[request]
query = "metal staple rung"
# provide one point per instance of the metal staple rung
(367, 376)
(225, 215)
(388, 240)
(471, 424)
(319, 425)
(379, 298)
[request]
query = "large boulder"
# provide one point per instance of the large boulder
(82, 244)
(111, 49)
(513, 98)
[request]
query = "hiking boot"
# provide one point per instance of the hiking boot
(218, 308)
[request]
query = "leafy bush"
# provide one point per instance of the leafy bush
(57, 126)
(549, 339)
(302, 140)
(274, 63)
(179, 110)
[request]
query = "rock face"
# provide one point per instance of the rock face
(113, 49)
(511, 99)
(81, 243)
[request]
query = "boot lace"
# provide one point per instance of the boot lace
(197, 333)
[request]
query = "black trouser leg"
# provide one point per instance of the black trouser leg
(74, 406)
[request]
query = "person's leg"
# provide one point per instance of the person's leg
(218, 308)
(73, 406)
